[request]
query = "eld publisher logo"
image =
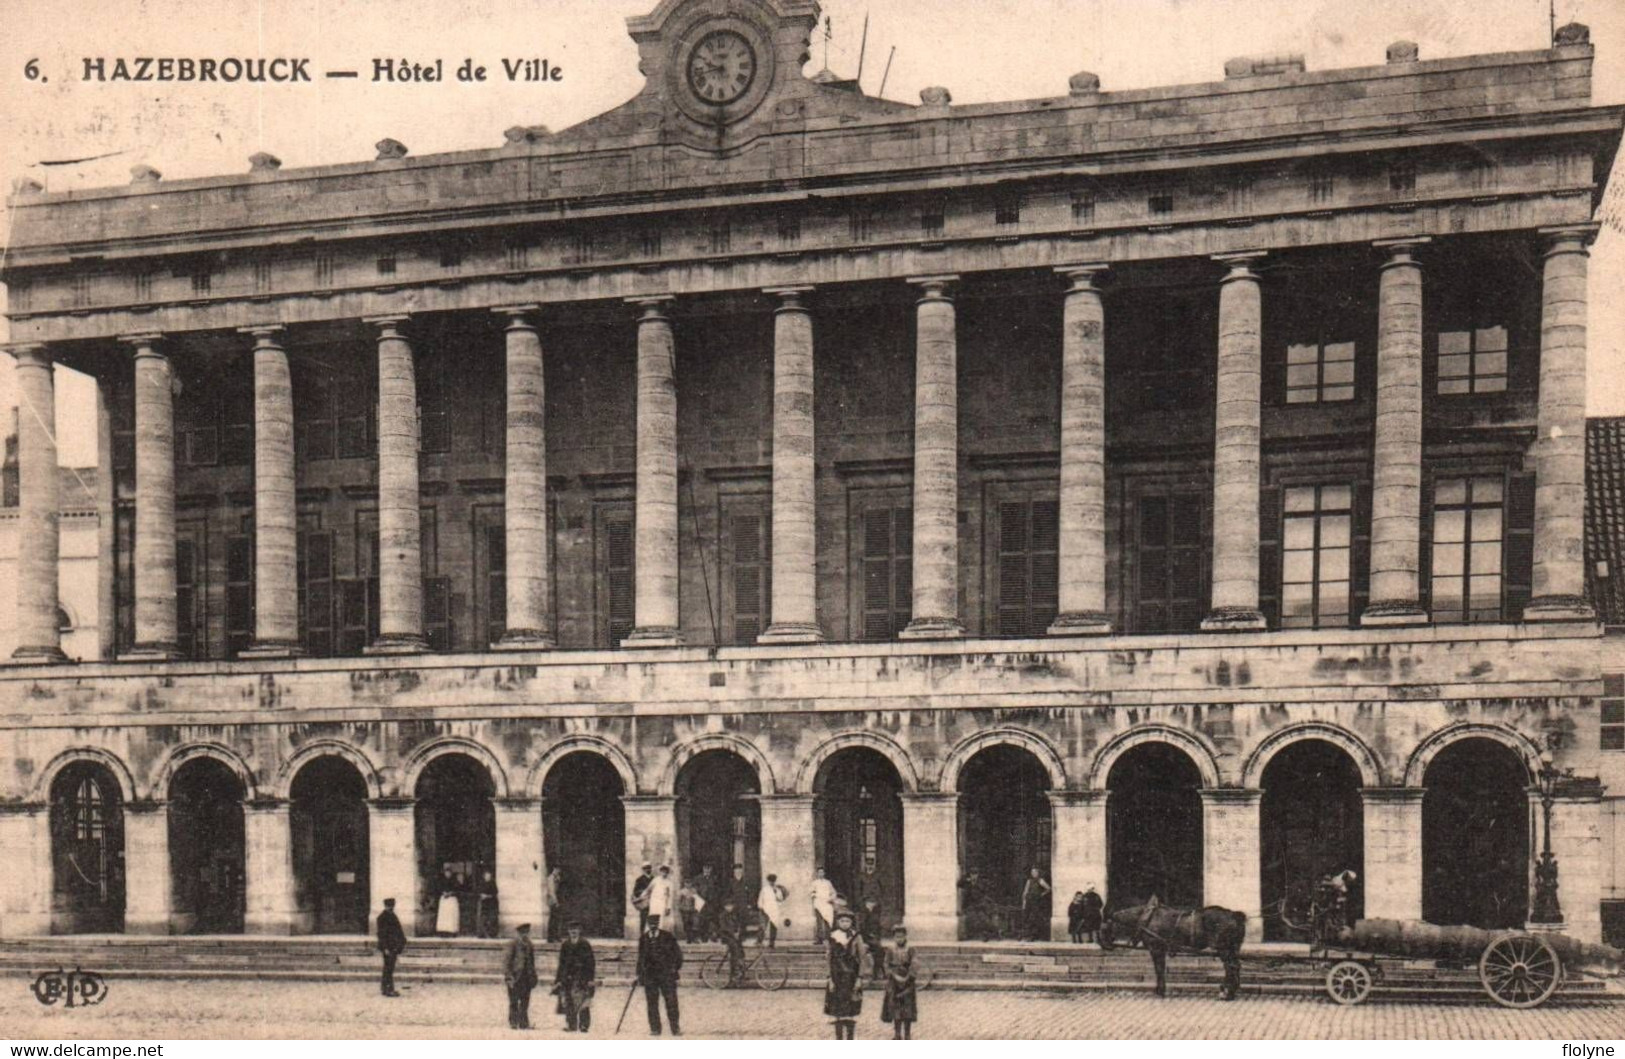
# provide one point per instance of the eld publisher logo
(75, 988)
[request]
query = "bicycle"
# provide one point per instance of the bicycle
(763, 967)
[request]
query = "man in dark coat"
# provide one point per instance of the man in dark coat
(869, 928)
(640, 895)
(574, 981)
(1093, 912)
(731, 930)
(391, 942)
(519, 975)
(706, 887)
(659, 961)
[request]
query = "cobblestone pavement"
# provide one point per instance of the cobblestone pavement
(148, 1009)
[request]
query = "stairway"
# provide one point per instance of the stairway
(1271, 969)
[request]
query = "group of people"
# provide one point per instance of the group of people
(843, 992)
(464, 901)
(989, 918)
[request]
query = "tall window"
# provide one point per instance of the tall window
(616, 570)
(750, 561)
(239, 593)
(1318, 372)
(1473, 361)
(1613, 711)
(887, 561)
(1171, 543)
(1315, 551)
(1028, 566)
(1467, 537)
(314, 569)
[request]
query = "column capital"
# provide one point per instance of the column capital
(647, 801)
(1242, 796)
(1082, 277)
(517, 804)
(651, 304)
(1569, 238)
(1402, 251)
(518, 315)
(1240, 264)
(1392, 795)
(34, 354)
(144, 343)
(1076, 798)
(265, 335)
(148, 807)
(933, 288)
(786, 800)
(267, 805)
(945, 798)
(391, 804)
(388, 324)
(791, 299)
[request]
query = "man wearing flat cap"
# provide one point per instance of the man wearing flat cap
(659, 961)
(519, 975)
(573, 982)
(640, 895)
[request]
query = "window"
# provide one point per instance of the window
(1473, 361)
(1322, 185)
(1083, 207)
(1613, 711)
(616, 570)
(495, 539)
(1007, 209)
(1171, 545)
(931, 219)
(386, 265)
(262, 277)
(518, 256)
(334, 412)
(1465, 579)
(582, 248)
(887, 564)
(451, 258)
(750, 562)
(143, 286)
(861, 222)
(1318, 373)
(239, 594)
(81, 291)
(1160, 205)
(87, 810)
(721, 237)
(315, 579)
(649, 242)
(434, 404)
(191, 638)
(324, 270)
(1315, 552)
(1402, 177)
(1028, 566)
(789, 231)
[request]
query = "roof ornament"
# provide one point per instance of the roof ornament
(936, 96)
(524, 135)
(1573, 33)
(1263, 66)
(144, 174)
(261, 162)
(390, 150)
(1083, 83)
(1403, 51)
(26, 186)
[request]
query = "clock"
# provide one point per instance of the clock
(721, 68)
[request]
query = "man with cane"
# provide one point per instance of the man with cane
(659, 961)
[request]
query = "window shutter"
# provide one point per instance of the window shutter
(749, 580)
(1151, 566)
(1189, 539)
(239, 594)
(316, 602)
(186, 623)
(1014, 599)
(1424, 556)
(437, 612)
(902, 568)
(353, 621)
(1046, 568)
(1519, 549)
(1360, 553)
(496, 583)
(1269, 554)
(374, 609)
(877, 574)
(618, 577)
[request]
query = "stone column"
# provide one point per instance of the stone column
(276, 529)
(1231, 873)
(1396, 476)
(270, 905)
(1077, 851)
(25, 885)
(795, 526)
(155, 636)
(1577, 845)
(651, 838)
(1236, 425)
(1560, 443)
(1392, 881)
(936, 465)
(146, 868)
(655, 617)
(931, 866)
(106, 576)
(392, 866)
(525, 487)
(400, 558)
(787, 851)
(39, 638)
(519, 870)
(1083, 458)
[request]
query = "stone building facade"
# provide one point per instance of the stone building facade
(1176, 490)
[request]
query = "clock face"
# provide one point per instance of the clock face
(721, 67)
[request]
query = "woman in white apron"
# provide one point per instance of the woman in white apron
(448, 918)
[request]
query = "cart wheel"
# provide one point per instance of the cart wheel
(1348, 982)
(714, 971)
(1520, 970)
(769, 972)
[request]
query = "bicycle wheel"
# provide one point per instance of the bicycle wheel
(769, 973)
(923, 977)
(714, 971)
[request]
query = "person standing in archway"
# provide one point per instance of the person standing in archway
(555, 886)
(448, 908)
(1094, 909)
(823, 902)
(662, 895)
(391, 943)
(640, 894)
(1035, 904)
(770, 906)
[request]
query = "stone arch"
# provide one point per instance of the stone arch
(121, 773)
(164, 774)
(329, 748)
(422, 755)
(685, 752)
(967, 748)
(1371, 774)
(887, 747)
(1417, 765)
(536, 779)
(1197, 748)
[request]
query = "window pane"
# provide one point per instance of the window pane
(1301, 354)
(1454, 342)
(1306, 396)
(1490, 338)
(1490, 364)
(1613, 685)
(1487, 524)
(1340, 351)
(1335, 393)
(1487, 558)
(1335, 498)
(1486, 490)
(1451, 367)
(1302, 374)
(1613, 712)
(1447, 559)
(1300, 498)
(1449, 386)
(1493, 384)
(1447, 527)
(1340, 373)
(1334, 599)
(1487, 592)
(1300, 533)
(1297, 567)
(1334, 531)
(1334, 564)
(1447, 595)
(1613, 737)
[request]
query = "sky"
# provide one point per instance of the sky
(981, 50)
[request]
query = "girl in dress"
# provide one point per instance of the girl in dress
(901, 1005)
(843, 996)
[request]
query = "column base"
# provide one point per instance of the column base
(933, 629)
(1234, 619)
(273, 649)
(524, 640)
(931, 927)
(792, 632)
(38, 656)
(398, 644)
(654, 636)
(1080, 623)
(270, 924)
(1559, 608)
(152, 924)
(153, 651)
(1394, 612)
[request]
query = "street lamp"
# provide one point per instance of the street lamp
(1547, 909)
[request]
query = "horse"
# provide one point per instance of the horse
(1161, 930)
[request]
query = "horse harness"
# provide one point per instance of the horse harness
(1144, 926)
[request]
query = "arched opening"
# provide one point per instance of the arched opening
(1475, 836)
(456, 830)
(584, 828)
(206, 848)
(1313, 825)
(1154, 828)
(719, 825)
(858, 829)
(331, 856)
(1004, 833)
(87, 851)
